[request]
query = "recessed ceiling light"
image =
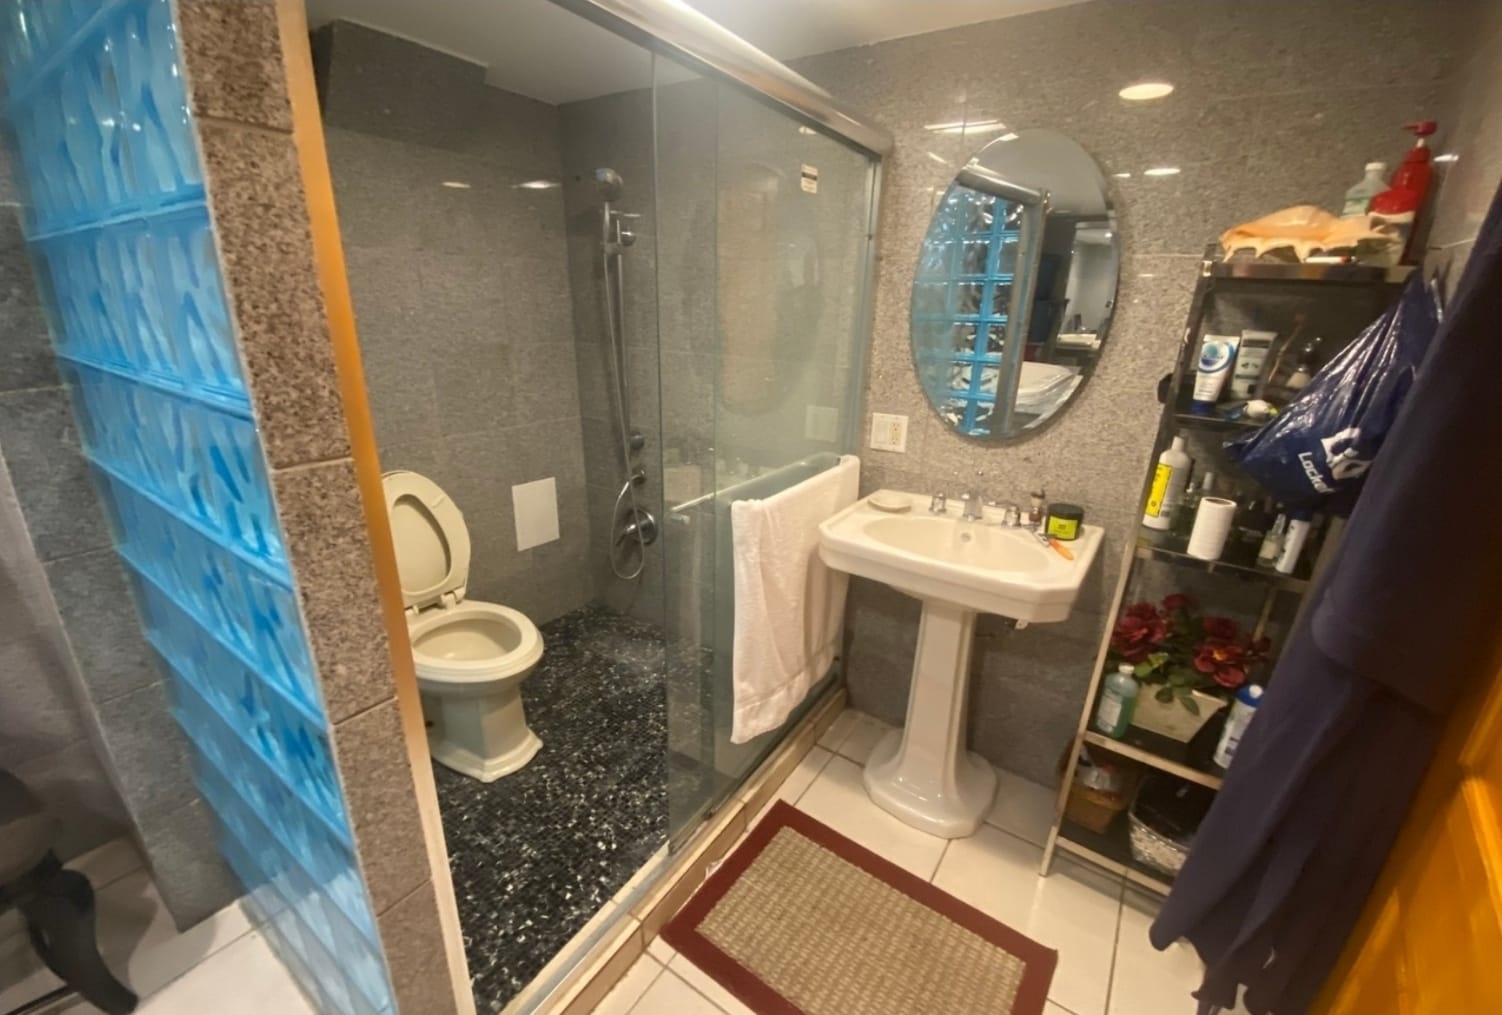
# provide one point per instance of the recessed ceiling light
(456, 184)
(1146, 91)
(1122, 176)
(966, 126)
(538, 185)
(1447, 157)
(941, 160)
(1162, 171)
(807, 130)
(1008, 136)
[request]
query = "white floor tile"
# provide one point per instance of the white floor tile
(865, 732)
(630, 988)
(243, 979)
(708, 986)
(1147, 981)
(136, 938)
(1075, 910)
(838, 798)
(802, 777)
(668, 995)
(109, 863)
(661, 950)
(1023, 808)
(140, 942)
(831, 738)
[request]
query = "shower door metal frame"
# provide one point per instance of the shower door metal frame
(706, 46)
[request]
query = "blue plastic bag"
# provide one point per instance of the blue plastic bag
(1317, 451)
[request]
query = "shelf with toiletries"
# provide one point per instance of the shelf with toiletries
(1173, 711)
(1173, 548)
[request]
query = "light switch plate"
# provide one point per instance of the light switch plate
(536, 508)
(888, 432)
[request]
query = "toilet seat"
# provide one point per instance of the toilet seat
(472, 643)
(455, 641)
(430, 539)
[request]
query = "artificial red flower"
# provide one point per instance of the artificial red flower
(1138, 633)
(1221, 628)
(1176, 602)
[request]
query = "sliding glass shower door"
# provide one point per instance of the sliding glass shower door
(763, 256)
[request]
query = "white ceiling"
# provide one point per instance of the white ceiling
(540, 50)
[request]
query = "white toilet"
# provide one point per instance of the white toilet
(471, 657)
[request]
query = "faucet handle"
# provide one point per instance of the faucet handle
(938, 504)
(1011, 514)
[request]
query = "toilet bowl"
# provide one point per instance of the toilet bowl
(471, 657)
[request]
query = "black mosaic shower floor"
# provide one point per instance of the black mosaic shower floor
(535, 854)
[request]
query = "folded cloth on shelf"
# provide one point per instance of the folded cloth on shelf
(789, 606)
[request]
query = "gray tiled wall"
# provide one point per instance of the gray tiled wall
(615, 131)
(1276, 103)
(461, 290)
(82, 704)
(1471, 129)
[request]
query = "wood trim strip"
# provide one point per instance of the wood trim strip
(307, 134)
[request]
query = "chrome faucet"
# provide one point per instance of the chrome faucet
(972, 507)
(1011, 514)
(938, 505)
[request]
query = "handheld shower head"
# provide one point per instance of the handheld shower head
(610, 184)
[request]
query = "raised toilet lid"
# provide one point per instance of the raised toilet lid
(431, 540)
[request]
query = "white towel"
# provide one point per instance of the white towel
(789, 607)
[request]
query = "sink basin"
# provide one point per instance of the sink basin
(922, 773)
(980, 566)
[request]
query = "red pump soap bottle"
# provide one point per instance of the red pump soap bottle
(1401, 203)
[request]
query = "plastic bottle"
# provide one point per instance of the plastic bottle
(1169, 480)
(1359, 197)
(1243, 710)
(1399, 205)
(1183, 522)
(1272, 543)
(1293, 544)
(1118, 700)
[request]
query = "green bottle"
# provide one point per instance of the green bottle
(1118, 700)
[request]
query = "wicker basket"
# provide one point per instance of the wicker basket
(1156, 851)
(1175, 809)
(1095, 809)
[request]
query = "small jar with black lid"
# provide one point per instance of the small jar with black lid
(1064, 521)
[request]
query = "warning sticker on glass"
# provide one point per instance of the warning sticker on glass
(809, 178)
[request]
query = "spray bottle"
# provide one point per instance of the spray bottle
(1399, 205)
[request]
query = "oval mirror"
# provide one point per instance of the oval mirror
(1015, 285)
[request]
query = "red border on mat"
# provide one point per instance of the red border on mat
(682, 932)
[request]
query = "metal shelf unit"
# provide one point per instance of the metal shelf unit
(1111, 850)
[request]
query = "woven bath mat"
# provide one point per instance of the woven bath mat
(799, 919)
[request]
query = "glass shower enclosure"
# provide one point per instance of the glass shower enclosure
(763, 248)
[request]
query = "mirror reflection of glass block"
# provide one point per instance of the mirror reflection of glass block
(935, 258)
(968, 296)
(962, 338)
(1006, 257)
(930, 298)
(995, 339)
(976, 254)
(1001, 300)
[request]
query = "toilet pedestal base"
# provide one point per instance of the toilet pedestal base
(481, 736)
(921, 774)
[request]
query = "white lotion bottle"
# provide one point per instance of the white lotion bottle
(1169, 479)
(1293, 545)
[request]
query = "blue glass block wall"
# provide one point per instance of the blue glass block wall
(123, 244)
(961, 295)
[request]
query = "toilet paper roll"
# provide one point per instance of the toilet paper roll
(1212, 525)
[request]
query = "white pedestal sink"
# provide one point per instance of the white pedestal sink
(922, 773)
